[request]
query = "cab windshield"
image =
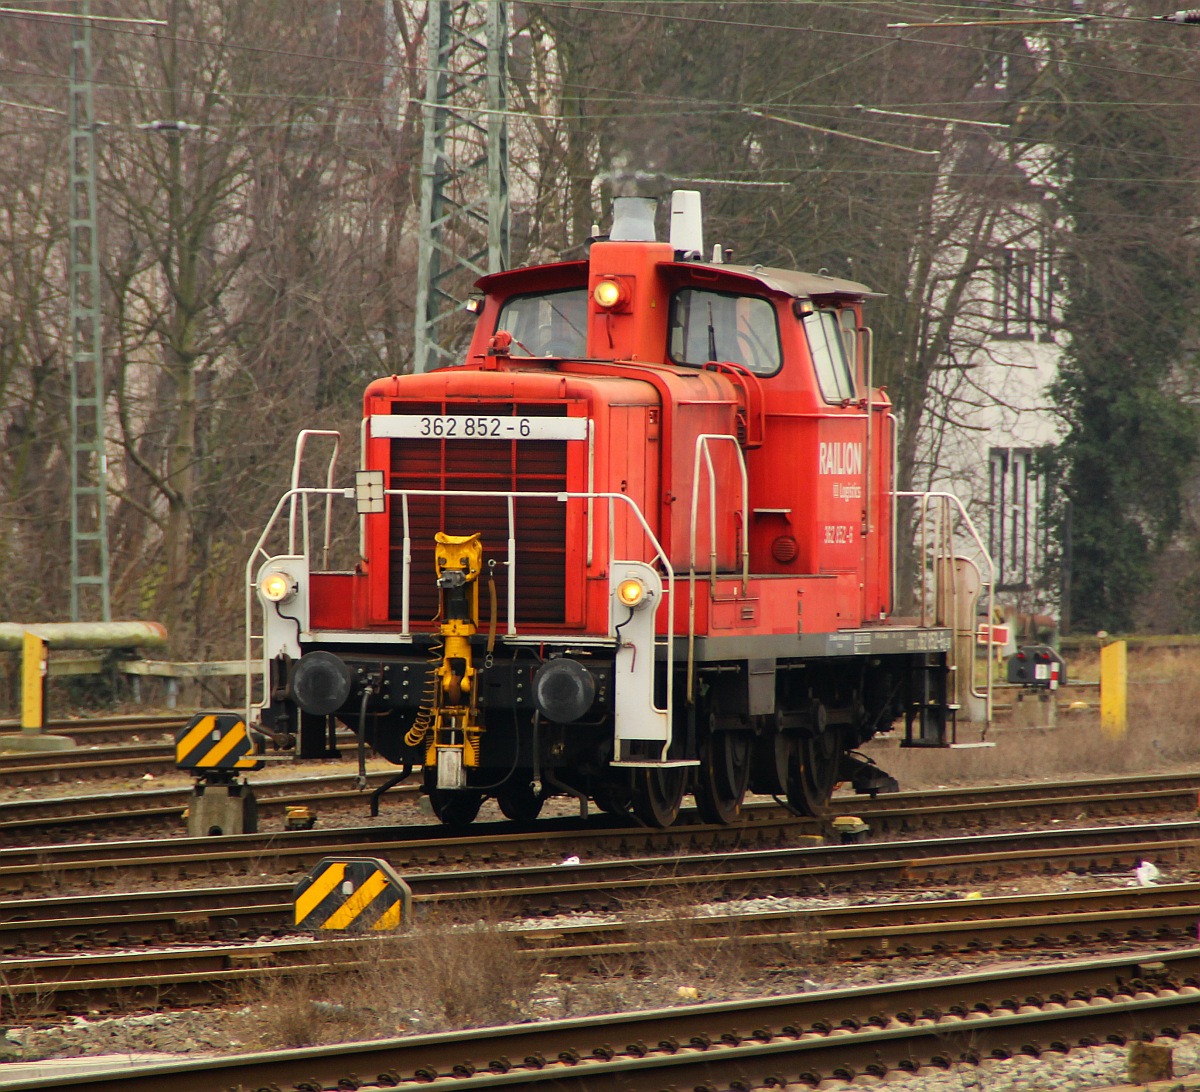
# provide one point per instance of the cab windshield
(709, 326)
(548, 323)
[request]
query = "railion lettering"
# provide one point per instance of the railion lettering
(840, 458)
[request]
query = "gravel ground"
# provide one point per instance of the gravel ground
(1096, 1067)
(215, 1031)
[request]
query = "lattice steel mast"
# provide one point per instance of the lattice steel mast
(89, 470)
(464, 226)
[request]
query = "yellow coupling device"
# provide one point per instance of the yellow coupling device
(454, 745)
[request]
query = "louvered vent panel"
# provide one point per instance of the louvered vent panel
(502, 465)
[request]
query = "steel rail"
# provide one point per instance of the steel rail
(899, 929)
(83, 755)
(762, 860)
(116, 813)
(861, 930)
(117, 723)
(1011, 923)
(927, 811)
(768, 1042)
(120, 760)
(893, 813)
(428, 845)
(1092, 786)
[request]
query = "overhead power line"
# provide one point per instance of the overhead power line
(70, 16)
(839, 133)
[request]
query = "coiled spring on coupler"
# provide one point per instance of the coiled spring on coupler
(423, 721)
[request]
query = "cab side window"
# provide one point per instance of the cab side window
(707, 326)
(835, 373)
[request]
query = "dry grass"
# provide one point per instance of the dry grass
(677, 957)
(441, 976)
(462, 975)
(674, 948)
(300, 1010)
(1163, 732)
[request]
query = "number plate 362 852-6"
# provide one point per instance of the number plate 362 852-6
(465, 426)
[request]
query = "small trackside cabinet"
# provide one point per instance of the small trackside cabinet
(1038, 667)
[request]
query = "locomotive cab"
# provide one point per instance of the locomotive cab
(638, 544)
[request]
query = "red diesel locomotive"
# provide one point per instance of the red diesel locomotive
(639, 543)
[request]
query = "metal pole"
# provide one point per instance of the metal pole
(464, 213)
(88, 463)
(497, 130)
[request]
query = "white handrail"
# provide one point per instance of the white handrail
(949, 501)
(297, 458)
(302, 494)
(702, 447)
(406, 547)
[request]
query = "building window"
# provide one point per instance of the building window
(1018, 284)
(1019, 517)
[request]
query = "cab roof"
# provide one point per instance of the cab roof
(787, 282)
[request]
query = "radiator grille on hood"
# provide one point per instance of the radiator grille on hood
(501, 465)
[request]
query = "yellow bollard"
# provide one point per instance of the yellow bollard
(33, 683)
(1113, 686)
(32, 736)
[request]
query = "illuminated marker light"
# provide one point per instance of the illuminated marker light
(608, 293)
(276, 587)
(631, 592)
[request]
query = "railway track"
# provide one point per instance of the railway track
(1157, 915)
(768, 830)
(189, 973)
(161, 810)
(137, 751)
(106, 747)
(111, 814)
(763, 1043)
(124, 728)
(87, 763)
(532, 890)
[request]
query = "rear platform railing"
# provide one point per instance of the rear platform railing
(943, 526)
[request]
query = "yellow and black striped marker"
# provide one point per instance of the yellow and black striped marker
(356, 893)
(216, 741)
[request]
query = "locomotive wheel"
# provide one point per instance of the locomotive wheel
(657, 795)
(517, 801)
(455, 807)
(723, 776)
(814, 772)
(612, 799)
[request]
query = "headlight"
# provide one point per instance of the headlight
(631, 592)
(276, 587)
(610, 293)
